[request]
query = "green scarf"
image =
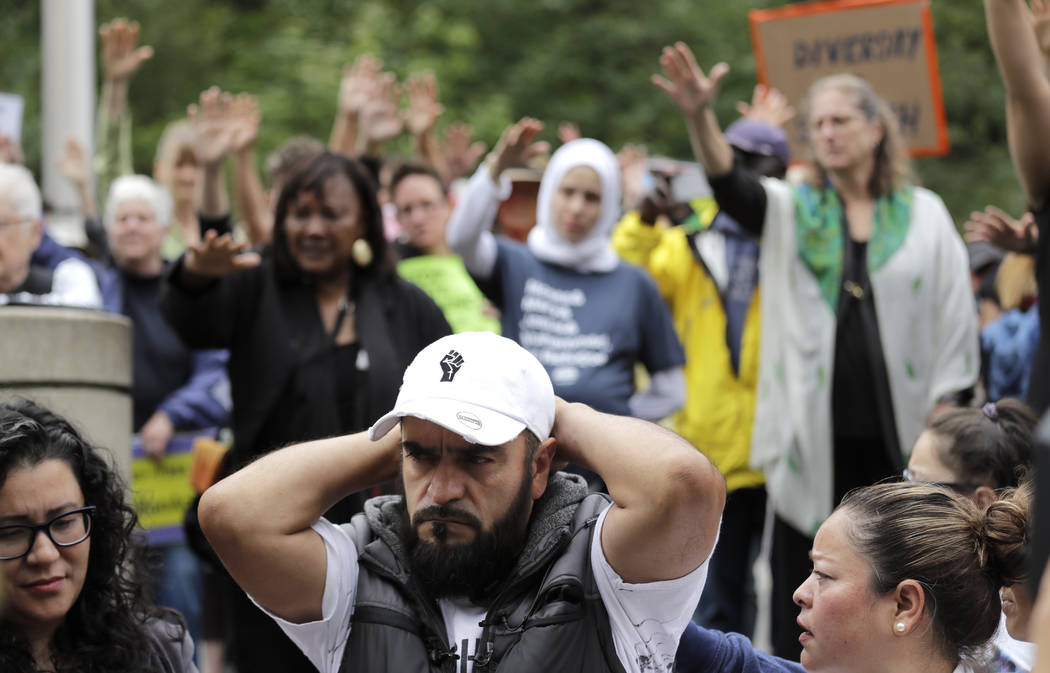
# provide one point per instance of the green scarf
(818, 234)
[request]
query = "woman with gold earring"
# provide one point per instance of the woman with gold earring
(319, 327)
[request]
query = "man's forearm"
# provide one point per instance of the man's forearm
(305, 479)
(633, 457)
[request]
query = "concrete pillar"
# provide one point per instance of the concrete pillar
(78, 364)
(68, 89)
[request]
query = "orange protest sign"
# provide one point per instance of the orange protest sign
(887, 42)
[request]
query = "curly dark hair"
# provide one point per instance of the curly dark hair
(105, 629)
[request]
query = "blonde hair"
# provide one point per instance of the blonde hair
(1015, 280)
(176, 140)
(892, 169)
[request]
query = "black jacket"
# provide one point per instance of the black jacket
(272, 328)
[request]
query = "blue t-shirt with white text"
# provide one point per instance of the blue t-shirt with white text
(588, 330)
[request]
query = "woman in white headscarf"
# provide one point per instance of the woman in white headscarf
(565, 295)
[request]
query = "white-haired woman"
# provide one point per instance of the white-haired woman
(565, 296)
(173, 389)
(866, 305)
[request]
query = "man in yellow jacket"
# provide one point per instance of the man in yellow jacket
(707, 270)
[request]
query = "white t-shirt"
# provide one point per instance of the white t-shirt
(646, 619)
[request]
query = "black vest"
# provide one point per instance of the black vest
(548, 616)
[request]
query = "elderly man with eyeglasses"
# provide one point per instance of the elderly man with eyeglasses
(70, 283)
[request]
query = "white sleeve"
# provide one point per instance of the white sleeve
(468, 231)
(648, 619)
(324, 641)
(665, 395)
(74, 284)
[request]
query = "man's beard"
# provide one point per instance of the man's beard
(475, 569)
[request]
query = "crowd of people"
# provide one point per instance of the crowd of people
(539, 410)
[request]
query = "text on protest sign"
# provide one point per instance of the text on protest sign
(887, 42)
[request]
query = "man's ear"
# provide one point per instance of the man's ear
(542, 466)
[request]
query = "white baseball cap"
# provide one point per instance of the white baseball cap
(481, 386)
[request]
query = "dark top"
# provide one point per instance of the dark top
(1039, 385)
(703, 650)
(283, 370)
(160, 361)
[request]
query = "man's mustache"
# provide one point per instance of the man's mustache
(445, 513)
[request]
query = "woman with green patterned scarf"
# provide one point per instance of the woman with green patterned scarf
(867, 318)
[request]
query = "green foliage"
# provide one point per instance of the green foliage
(580, 60)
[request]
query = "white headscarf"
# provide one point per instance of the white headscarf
(594, 254)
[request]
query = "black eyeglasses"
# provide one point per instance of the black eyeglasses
(64, 530)
(955, 486)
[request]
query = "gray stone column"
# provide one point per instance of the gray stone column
(77, 363)
(67, 43)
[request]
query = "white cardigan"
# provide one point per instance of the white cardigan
(928, 330)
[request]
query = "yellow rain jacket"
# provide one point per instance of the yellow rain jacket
(720, 405)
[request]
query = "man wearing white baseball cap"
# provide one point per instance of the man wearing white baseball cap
(489, 559)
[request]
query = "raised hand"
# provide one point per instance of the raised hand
(686, 84)
(517, 146)
(357, 82)
(73, 164)
(423, 106)
(996, 227)
(1040, 18)
(767, 105)
(632, 160)
(243, 119)
(213, 132)
(461, 150)
(156, 434)
(567, 132)
(379, 118)
(10, 150)
(217, 256)
(121, 58)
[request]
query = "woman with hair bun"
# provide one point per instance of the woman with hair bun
(905, 579)
(65, 554)
(1009, 523)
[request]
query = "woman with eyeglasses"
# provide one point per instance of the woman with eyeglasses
(976, 452)
(65, 552)
(979, 453)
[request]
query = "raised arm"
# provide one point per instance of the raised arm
(420, 116)
(247, 186)
(121, 59)
(354, 87)
(213, 140)
(258, 519)
(468, 232)
(694, 93)
(667, 497)
(1027, 93)
(461, 151)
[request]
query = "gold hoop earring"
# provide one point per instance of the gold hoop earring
(362, 253)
